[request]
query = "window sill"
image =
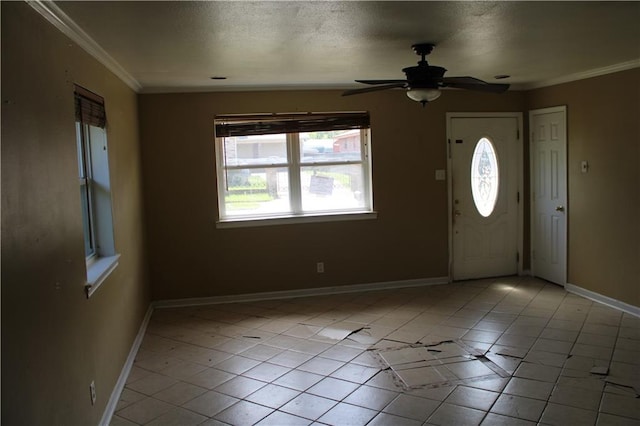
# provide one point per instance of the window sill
(98, 271)
(288, 220)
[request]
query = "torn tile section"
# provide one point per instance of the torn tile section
(512, 352)
(508, 364)
(406, 356)
(469, 369)
(370, 335)
(603, 371)
(438, 363)
(416, 377)
(447, 349)
(336, 333)
(628, 385)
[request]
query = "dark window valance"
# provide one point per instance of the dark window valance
(89, 108)
(265, 124)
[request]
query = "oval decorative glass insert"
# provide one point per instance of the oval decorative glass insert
(484, 177)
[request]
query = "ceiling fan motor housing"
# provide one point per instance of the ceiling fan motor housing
(424, 77)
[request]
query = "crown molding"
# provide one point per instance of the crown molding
(623, 66)
(52, 13)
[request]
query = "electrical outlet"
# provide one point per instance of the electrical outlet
(320, 267)
(92, 391)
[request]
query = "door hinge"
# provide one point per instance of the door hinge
(449, 148)
(517, 256)
(518, 134)
(518, 197)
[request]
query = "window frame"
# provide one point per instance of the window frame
(294, 166)
(86, 186)
(95, 182)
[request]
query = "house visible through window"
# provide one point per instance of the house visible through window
(95, 188)
(293, 165)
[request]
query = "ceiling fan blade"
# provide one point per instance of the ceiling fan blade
(380, 81)
(471, 83)
(373, 89)
(463, 80)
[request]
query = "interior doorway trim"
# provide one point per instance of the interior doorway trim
(519, 154)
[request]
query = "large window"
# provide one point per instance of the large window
(95, 188)
(293, 165)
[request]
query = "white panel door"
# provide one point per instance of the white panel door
(485, 225)
(549, 194)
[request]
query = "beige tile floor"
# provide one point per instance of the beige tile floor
(271, 362)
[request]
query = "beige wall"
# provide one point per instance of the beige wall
(189, 257)
(603, 122)
(54, 340)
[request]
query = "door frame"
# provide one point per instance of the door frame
(532, 236)
(519, 155)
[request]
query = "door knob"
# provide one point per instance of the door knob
(457, 213)
(560, 208)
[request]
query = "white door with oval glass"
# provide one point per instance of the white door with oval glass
(484, 189)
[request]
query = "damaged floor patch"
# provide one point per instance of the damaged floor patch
(340, 330)
(440, 363)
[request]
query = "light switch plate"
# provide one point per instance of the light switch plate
(441, 174)
(584, 166)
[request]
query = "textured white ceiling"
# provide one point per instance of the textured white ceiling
(178, 45)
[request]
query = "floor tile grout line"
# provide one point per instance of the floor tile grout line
(528, 350)
(604, 392)
(547, 402)
(447, 316)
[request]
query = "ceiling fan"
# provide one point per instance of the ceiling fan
(424, 81)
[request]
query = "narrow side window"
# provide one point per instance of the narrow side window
(95, 186)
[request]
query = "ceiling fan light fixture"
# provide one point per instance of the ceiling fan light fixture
(424, 95)
(423, 81)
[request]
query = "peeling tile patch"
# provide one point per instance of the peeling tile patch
(438, 364)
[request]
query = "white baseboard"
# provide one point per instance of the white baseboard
(124, 374)
(605, 300)
(290, 294)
